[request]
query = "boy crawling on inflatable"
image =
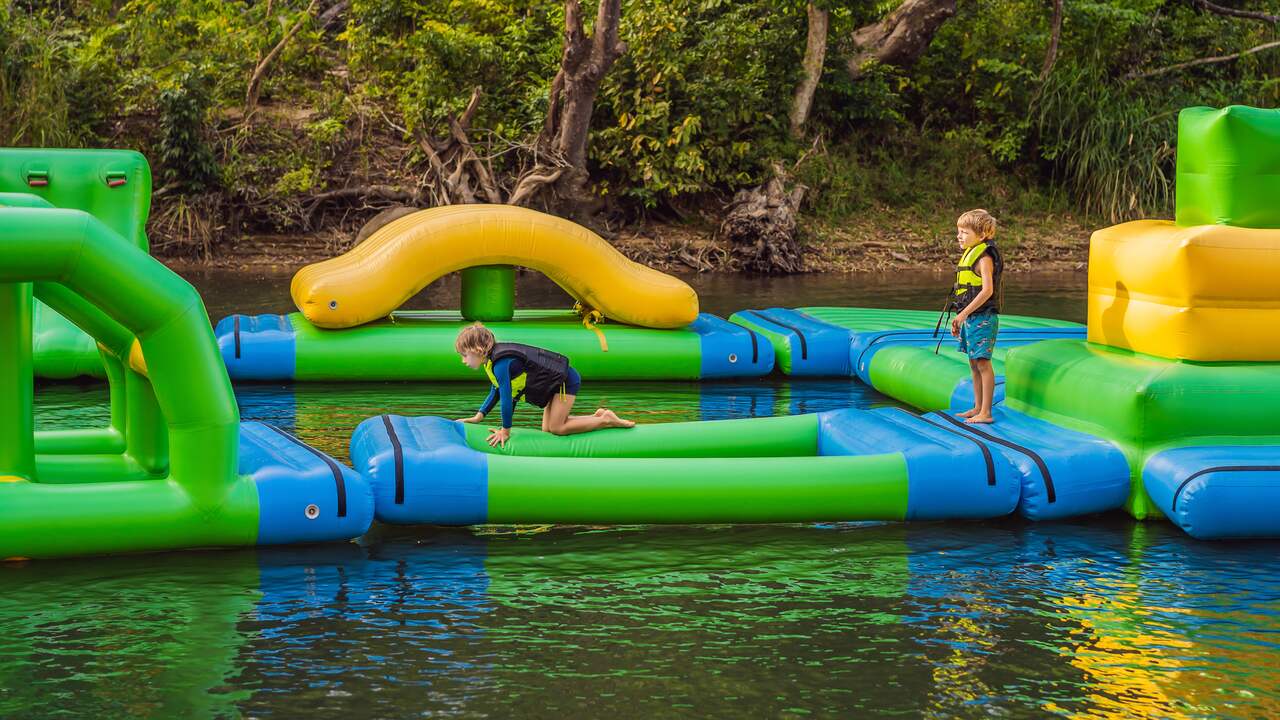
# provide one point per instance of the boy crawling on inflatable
(542, 377)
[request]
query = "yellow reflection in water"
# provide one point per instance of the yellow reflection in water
(1127, 662)
(957, 677)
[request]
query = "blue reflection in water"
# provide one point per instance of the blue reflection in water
(403, 611)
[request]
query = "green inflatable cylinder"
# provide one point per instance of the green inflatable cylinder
(489, 293)
(640, 490)
(17, 444)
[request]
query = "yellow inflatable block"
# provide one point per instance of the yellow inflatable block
(397, 261)
(1206, 292)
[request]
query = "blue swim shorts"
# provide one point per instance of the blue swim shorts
(978, 335)
(572, 382)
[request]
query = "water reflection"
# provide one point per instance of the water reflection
(146, 636)
(1098, 618)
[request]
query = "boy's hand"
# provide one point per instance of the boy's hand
(499, 436)
(955, 325)
(473, 419)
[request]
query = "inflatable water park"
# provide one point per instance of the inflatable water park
(1162, 405)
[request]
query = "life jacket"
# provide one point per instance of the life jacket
(969, 282)
(545, 372)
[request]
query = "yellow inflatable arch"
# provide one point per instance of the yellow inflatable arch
(397, 261)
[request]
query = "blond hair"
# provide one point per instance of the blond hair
(980, 221)
(476, 338)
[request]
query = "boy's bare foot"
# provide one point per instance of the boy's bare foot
(612, 420)
(968, 413)
(980, 419)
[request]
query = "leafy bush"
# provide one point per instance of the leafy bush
(186, 157)
(700, 99)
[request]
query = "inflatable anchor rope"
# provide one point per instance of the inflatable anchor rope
(590, 319)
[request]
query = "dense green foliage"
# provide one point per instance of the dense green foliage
(695, 108)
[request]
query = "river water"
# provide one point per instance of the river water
(1098, 617)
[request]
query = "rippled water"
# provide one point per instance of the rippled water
(1100, 617)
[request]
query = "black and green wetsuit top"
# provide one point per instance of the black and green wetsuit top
(516, 371)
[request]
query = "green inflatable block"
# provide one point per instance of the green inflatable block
(1229, 167)
(1142, 403)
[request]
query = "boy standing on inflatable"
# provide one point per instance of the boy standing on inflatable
(975, 300)
(542, 377)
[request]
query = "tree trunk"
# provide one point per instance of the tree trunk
(815, 53)
(1055, 37)
(761, 227)
(902, 36)
(561, 165)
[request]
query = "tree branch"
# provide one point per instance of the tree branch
(468, 155)
(529, 184)
(815, 53)
(1201, 61)
(251, 96)
(605, 46)
(447, 187)
(330, 16)
(469, 114)
(363, 192)
(575, 38)
(1248, 14)
(902, 36)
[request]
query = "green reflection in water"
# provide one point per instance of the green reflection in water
(647, 621)
(1095, 618)
(141, 636)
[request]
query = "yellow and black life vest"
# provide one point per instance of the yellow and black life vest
(969, 283)
(544, 373)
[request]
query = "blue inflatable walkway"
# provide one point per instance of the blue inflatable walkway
(902, 353)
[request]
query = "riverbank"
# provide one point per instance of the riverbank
(882, 241)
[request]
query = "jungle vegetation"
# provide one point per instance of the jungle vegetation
(291, 116)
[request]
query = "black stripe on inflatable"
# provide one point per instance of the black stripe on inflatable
(333, 467)
(236, 321)
(398, 452)
(1044, 469)
(986, 451)
(1220, 468)
(755, 346)
(804, 346)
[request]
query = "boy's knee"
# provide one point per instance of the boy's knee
(557, 430)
